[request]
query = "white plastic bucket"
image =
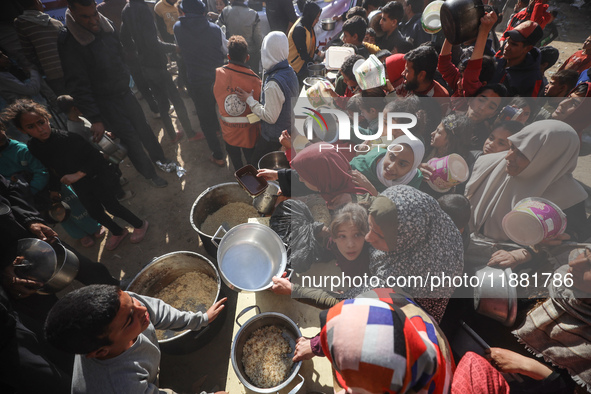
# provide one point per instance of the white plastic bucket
(534, 220)
(449, 171)
(369, 73)
(430, 20)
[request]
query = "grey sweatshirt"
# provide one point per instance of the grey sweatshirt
(136, 369)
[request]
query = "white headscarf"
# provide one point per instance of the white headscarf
(419, 151)
(274, 49)
(552, 147)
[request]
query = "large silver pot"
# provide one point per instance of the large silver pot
(495, 298)
(316, 70)
(208, 202)
(274, 160)
(65, 272)
(161, 272)
(290, 332)
(249, 255)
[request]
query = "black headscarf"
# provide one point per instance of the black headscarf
(311, 11)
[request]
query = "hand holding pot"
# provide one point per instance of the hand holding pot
(269, 175)
(18, 287)
(427, 170)
(281, 286)
(215, 309)
(43, 232)
(512, 259)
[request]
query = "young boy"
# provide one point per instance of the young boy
(370, 36)
(238, 133)
(346, 84)
(113, 334)
(392, 14)
(354, 33)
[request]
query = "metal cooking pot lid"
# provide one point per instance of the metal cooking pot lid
(40, 260)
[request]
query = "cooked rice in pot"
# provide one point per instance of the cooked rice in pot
(266, 357)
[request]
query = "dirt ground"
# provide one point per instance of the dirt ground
(168, 211)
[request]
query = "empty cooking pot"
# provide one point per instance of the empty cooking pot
(494, 297)
(316, 70)
(67, 269)
(460, 19)
(249, 255)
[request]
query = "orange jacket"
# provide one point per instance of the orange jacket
(236, 129)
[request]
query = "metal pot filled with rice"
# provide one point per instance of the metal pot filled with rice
(262, 352)
(189, 282)
(224, 203)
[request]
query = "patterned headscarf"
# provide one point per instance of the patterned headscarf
(381, 342)
(426, 240)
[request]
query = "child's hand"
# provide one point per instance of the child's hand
(269, 175)
(427, 170)
(215, 309)
(285, 139)
(43, 232)
(281, 286)
(361, 180)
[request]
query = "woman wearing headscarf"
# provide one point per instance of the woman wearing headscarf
(539, 163)
(325, 170)
(395, 165)
(411, 236)
(302, 40)
(382, 342)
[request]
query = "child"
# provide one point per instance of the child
(392, 14)
(346, 84)
(458, 208)
(112, 333)
(74, 162)
(370, 36)
(451, 136)
(347, 242)
(80, 125)
(498, 140)
(238, 133)
(354, 33)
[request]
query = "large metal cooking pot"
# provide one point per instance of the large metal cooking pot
(460, 19)
(249, 255)
(274, 160)
(495, 298)
(161, 272)
(211, 200)
(290, 332)
(328, 24)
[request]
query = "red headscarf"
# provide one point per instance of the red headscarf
(322, 166)
(394, 67)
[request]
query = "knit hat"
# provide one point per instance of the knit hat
(192, 7)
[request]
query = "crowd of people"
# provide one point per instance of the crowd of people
(65, 92)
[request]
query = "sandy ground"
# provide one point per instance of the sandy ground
(168, 211)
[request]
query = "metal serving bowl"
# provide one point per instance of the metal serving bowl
(161, 272)
(290, 332)
(249, 255)
(274, 161)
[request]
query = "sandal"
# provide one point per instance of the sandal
(219, 163)
(115, 240)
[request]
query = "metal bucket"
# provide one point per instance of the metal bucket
(249, 255)
(211, 200)
(161, 272)
(264, 203)
(290, 332)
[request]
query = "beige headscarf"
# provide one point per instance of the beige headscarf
(552, 148)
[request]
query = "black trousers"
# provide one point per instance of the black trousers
(99, 194)
(164, 91)
(204, 100)
(127, 121)
(235, 153)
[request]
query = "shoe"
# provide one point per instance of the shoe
(100, 233)
(219, 163)
(178, 136)
(126, 196)
(158, 182)
(139, 233)
(87, 241)
(197, 137)
(115, 240)
(123, 181)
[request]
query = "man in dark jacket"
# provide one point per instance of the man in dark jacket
(138, 35)
(518, 63)
(202, 48)
(98, 79)
(413, 28)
